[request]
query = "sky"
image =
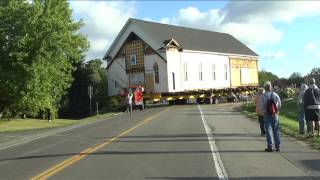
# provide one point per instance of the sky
(285, 34)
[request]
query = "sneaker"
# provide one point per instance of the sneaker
(268, 150)
(278, 149)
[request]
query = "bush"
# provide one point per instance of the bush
(287, 93)
(115, 103)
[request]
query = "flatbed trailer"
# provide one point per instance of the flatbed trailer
(208, 96)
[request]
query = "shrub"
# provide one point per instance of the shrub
(287, 92)
(115, 103)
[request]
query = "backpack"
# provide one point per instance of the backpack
(271, 106)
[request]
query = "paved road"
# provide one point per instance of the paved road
(172, 142)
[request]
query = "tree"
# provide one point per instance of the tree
(266, 76)
(76, 103)
(315, 73)
(39, 46)
(97, 77)
(296, 78)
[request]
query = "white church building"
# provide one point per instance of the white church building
(166, 58)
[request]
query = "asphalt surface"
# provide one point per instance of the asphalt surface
(170, 142)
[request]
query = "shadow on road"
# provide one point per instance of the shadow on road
(233, 178)
(144, 153)
(312, 164)
(215, 114)
(174, 138)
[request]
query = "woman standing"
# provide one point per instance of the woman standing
(302, 119)
(259, 111)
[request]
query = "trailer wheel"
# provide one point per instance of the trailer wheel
(200, 100)
(185, 101)
(207, 101)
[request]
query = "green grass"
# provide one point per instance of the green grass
(28, 124)
(288, 121)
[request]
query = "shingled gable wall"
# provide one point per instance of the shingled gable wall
(123, 73)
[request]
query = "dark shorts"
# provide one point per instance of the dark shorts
(312, 114)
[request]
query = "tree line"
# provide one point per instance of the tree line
(295, 79)
(42, 68)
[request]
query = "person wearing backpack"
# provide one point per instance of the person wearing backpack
(271, 104)
(312, 107)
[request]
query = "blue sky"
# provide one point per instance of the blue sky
(285, 34)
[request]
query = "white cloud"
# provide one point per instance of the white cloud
(269, 11)
(310, 46)
(164, 20)
(192, 17)
(253, 34)
(251, 22)
(103, 21)
(313, 49)
(273, 55)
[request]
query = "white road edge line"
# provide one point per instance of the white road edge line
(221, 171)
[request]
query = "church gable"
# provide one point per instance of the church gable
(133, 51)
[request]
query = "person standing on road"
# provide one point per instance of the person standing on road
(129, 103)
(271, 104)
(302, 119)
(259, 111)
(311, 103)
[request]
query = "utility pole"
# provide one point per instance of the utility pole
(97, 108)
(90, 92)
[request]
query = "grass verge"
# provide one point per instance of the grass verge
(288, 121)
(28, 124)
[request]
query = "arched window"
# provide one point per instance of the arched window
(226, 72)
(185, 70)
(156, 73)
(214, 72)
(200, 72)
(133, 59)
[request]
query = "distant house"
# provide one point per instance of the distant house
(166, 58)
(280, 83)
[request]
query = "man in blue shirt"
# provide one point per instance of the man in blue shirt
(271, 120)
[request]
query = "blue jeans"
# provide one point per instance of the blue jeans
(302, 122)
(271, 124)
(129, 109)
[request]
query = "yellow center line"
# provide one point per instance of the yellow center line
(68, 162)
